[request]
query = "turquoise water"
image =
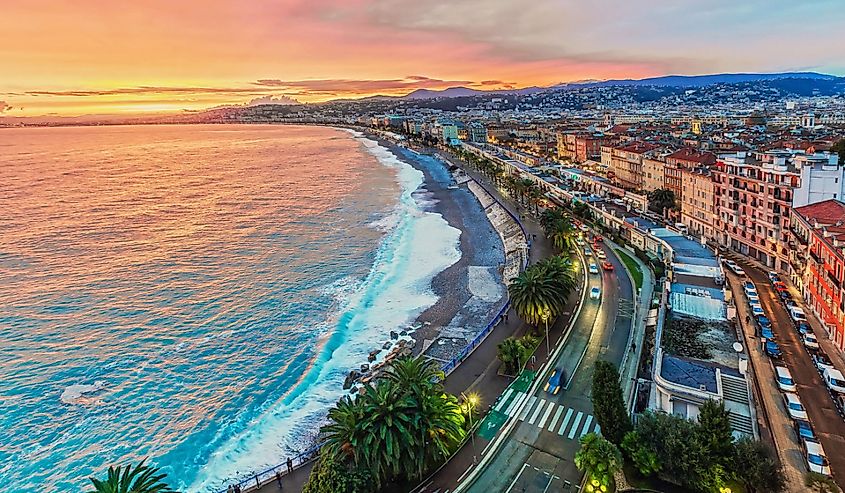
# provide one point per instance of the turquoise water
(195, 294)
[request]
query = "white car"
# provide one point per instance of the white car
(834, 380)
(600, 254)
(753, 299)
(588, 252)
(595, 293)
(816, 458)
(784, 379)
(594, 269)
(756, 310)
(793, 406)
(810, 341)
(797, 314)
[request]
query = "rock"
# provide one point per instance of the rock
(365, 368)
(373, 355)
(394, 335)
(386, 345)
(350, 379)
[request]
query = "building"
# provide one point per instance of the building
(587, 147)
(818, 261)
(653, 173)
(680, 160)
(626, 164)
(698, 203)
(477, 133)
(754, 196)
(449, 134)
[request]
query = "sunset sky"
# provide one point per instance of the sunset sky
(111, 57)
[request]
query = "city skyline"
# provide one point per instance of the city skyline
(93, 57)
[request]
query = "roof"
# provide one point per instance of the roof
(826, 212)
(689, 373)
(693, 155)
(638, 147)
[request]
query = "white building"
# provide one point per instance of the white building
(821, 179)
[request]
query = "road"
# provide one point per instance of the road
(538, 455)
(828, 424)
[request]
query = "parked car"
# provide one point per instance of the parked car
(595, 293)
(607, 266)
(738, 270)
(821, 361)
(598, 239)
(797, 314)
(784, 379)
(757, 309)
(834, 380)
(553, 385)
(816, 458)
(749, 287)
(594, 269)
(753, 299)
(803, 328)
(779, 286)
(772, 350)
(785, 296)
(810, 341)
(789, 302)
(773, 276)
(763, 321)
(804, 430)
(767, 333)
(793, 406)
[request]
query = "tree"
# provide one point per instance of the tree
(714, 432)
(839, 148)
(418, 377)
(513, 353)
(644, 457)
(138, 479)
(756, 467)
(533, 292)
(331, 475)
(600, 460)
(608, 404)
(820, 483)
(562, 273)
(661, 200)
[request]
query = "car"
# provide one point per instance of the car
(816, 458)
(757, 310)
(738, 270)
(588, 252)
(772, 349)
(834, 380)
(773, 276)
(803, 328)
(749, 286)
(779, 286)
(595, 293)
(789, 302)
(804, 430)
(840, 401)
(553, 385)
(594, 269)
(784, 379)
(793, 406)
(579, 241)
(821, 361)
(598, 239)
(753, 299)
(797, 314)
(730, 263)
(766, 332)
(600, 254)
(786, 297)
(607, 266)
(810, 341)
(763, 321)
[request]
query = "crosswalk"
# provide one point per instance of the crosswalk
(547, 415)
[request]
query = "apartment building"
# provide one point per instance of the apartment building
(698, 203)
(626, 164)
(653, 173)
(680, 160)
(818, 262)
(754, 195)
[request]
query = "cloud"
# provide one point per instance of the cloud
(147, 90)
(360, 86)
(273, 100)
(4, 107)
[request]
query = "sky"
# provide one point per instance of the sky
(77, 57)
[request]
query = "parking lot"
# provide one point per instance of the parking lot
(823, 414)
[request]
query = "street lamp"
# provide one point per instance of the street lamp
(545, 314)
(472, 401)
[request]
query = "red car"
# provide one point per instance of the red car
(780, 286)
(597, 239)
(607, 266)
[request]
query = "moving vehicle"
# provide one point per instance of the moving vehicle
(797, 314)
(779, 286)
(788, 302)
(772, 350)
(749, 287)
(793, 406)
(816, 458)
(588, 252)
(594, 269)
(810, 341)
(595, 293)
(734, 267)
(773, 276)
(607, 266)
(600, 254)
(598, 239)
(553, 385)
(784, 379)
(804, 430)
(834, 380)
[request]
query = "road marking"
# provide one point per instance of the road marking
(515, 404)
(555, 418)
(504, 399)
(537, 412)
(545, 417)
(524, 465)
(565, 421)
(597, 429)
(527, 408)
(574, 429)
(586, 428)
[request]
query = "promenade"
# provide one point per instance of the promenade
(479, 371)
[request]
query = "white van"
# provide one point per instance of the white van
(834, 380)
(797, 314)
(682, 228)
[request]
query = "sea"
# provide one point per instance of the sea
(196, 294)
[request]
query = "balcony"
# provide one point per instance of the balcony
(815, 257)
(833, 279)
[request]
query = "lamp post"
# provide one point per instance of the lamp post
(472, 400)
(545, 315)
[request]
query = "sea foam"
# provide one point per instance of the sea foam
(419, 245)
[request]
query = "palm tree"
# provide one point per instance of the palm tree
(600, 459)
(417, 377)
(137, 479)
(342, 434)
(533, 292)
(389, 443)
(661, 200)
(525, 185)
(439, 426)
(550, 218)
(562, 273)
(563, 234)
